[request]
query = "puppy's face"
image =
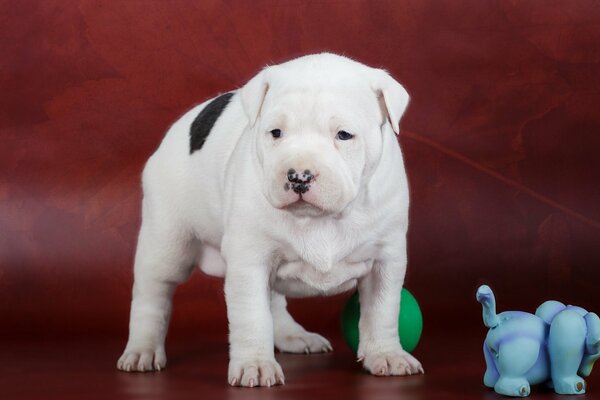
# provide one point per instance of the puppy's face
(314, 144)
(318, 134)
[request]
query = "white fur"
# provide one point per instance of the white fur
(226, 207)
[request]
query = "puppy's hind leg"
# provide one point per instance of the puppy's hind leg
(290, 336)
(164, 258)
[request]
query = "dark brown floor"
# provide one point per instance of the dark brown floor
(197, 370)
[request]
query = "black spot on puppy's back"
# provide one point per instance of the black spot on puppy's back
(206, 119)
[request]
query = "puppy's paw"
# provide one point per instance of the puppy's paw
(251, 373)
(302, 342)
(142, 360)
(397, 362)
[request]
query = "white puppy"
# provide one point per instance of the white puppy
(293, 185)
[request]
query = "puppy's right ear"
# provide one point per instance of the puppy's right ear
(253, 94)
(394, 96)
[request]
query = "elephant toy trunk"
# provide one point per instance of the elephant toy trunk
(486, 297)
(592, 344)
(587, 363)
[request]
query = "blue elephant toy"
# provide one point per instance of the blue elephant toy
(558, 345)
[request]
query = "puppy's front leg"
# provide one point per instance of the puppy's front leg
(247, 293)
(379, 346)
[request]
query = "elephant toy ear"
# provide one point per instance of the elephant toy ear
(548, 310)
(593, 333)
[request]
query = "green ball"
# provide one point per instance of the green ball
(410, 323)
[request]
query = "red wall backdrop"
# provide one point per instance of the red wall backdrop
(501, 140)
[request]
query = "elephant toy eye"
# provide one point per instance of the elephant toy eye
(343, 135)
(276, 133)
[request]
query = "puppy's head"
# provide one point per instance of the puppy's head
(318, 123)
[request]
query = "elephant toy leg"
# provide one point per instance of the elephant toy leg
(491, 373)
(566, 343)
(515, 358)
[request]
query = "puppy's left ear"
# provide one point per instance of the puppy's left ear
(392, 96)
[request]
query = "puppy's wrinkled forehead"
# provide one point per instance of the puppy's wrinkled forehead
(317, 102)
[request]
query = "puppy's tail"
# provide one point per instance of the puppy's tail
(486, 297)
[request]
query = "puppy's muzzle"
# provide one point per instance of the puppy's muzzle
(299, 182)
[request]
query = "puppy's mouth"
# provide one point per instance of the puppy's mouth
(302, 207)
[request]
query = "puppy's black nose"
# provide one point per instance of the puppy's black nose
(300, 181)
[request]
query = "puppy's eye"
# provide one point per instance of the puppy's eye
(276, 133)
(343, 135)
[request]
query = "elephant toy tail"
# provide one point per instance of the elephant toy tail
(486, 297)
